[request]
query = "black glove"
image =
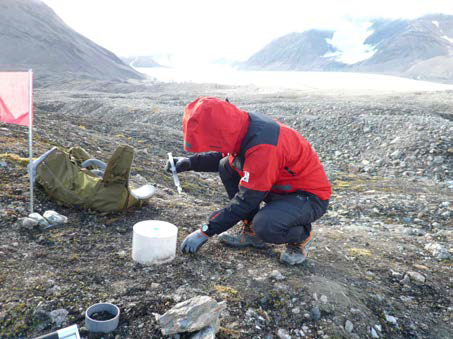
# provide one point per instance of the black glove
(193, 242)
(182, 164)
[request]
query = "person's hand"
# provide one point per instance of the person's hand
(181, 164)
(193, 242)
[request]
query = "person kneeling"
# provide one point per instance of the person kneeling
(259, 160)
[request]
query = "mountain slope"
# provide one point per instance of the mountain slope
(296, 51)
(33, 36)
(412, 42)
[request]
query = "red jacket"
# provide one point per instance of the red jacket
(268, 155)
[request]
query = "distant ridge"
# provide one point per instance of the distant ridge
(296, 51)
(421, 48)
(33, 36)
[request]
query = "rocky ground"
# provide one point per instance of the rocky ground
(380, 266)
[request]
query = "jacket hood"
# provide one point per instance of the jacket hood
(211, 124)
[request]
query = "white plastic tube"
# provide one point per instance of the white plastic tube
(173, 171)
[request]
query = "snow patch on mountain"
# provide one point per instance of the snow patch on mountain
(435, 23)
(348, 42)
(447, 38)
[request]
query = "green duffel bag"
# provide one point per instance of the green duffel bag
(67, 182)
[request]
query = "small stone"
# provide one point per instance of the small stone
(296, 310)
(418, 277)
(373, 333)
(395, 274)
(316, 313)
(83, 331)
(445, 214)
(58, 316)
(122, 254)
(323, 299)
(394, 141)
(396, 154)
(438, 160)
(406, 299)
(42, 222)
(29, 223)
(3, 164)
(348, 326)
(277, 275)
(283, 334)
(55, 218)
(435, 225)
(391, 319)
(406, 280)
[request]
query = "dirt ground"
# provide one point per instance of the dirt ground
(368, 267)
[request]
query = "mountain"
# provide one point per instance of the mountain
(421, 48)
(33, 36)
(296, 51)
(140, 61)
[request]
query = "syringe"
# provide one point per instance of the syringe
(173, 171)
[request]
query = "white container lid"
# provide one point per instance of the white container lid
(155, 229)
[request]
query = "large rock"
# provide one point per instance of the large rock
(191, 315)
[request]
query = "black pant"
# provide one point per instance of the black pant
(286, 218)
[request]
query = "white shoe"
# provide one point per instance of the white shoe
(37, 162)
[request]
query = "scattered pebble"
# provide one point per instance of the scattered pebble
(58, 316)
(348, 326)
(418, 277)
(438, 251)
(391, 319)
(316, 313)
(283, 334)
(373, 333)
(277, 275)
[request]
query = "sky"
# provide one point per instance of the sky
(200, 31)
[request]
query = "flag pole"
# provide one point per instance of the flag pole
(30, 136)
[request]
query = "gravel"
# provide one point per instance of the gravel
(389, 159)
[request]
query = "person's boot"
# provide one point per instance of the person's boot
(296, 253)
(243, 236)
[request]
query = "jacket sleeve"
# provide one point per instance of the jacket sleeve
(243, 204)
(259, 174)
(205, 162)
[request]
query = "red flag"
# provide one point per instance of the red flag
(15, 98)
